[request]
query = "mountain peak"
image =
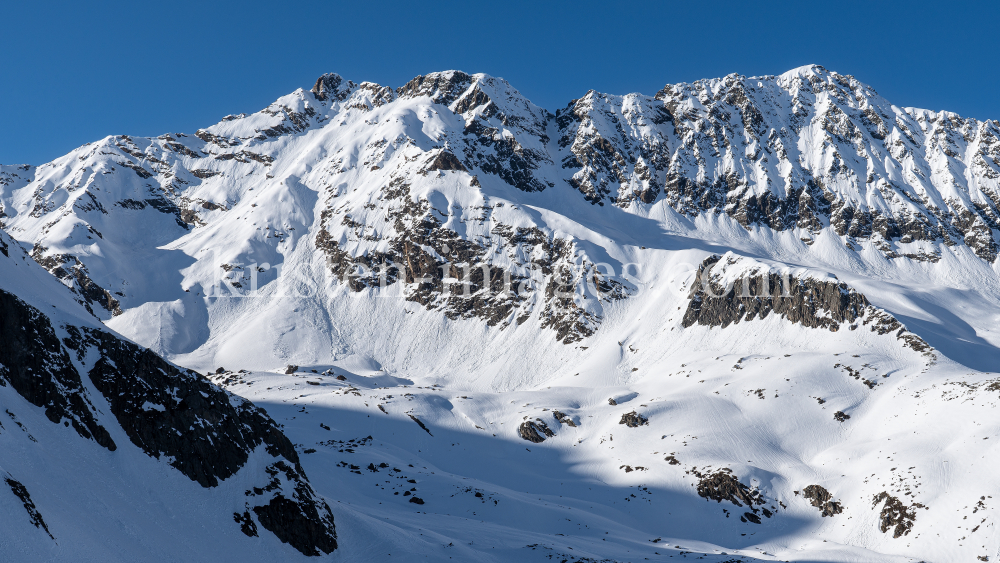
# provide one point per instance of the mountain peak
(806, 71)
(328, 86)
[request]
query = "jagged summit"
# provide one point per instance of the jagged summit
(328, 86)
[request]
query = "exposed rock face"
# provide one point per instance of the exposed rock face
(21, 493)
(823, 500)
(328, 87)
(303, 521)
(723, 485)
(39, 368)
(563, 418)
(633, 420)
(73, 273)
(526, 272)
(725, 291)
(617, 148)
(204, 432)
(166, 411)
(895, 515)
(534, 431)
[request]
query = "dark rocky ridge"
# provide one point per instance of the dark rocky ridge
(35, 364)
(70, 270)
(21, 492)
(207, 432)
(802, 300)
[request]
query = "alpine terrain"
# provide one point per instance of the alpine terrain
(743, 319)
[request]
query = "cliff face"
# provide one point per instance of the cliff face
(729, 290)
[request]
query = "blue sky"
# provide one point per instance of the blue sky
(73, 72)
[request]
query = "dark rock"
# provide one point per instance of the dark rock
(205, 432)
(34, 516)
(840, 416)
(71, 271)
(823, 500)
(444, 160)
(633, 420)
(308, 527)
(416, 500)
(443, 88)
(534, 431)
(564, 419)
(895, 515)
(328, 87)
(723, 485)
(426, 256)
(34, 362)
(247, 525)
(420, 423)
(802, 300)
(291, 369)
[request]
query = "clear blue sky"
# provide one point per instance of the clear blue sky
(73, 72)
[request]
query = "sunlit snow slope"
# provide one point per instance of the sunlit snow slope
(745, 318)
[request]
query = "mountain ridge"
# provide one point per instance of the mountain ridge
(384, 267)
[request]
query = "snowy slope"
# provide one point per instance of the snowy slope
(112, 454)
(450, 239)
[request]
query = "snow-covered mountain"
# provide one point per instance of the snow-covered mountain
(111, 453)
(765, 307)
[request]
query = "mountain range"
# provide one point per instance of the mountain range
(486, 331)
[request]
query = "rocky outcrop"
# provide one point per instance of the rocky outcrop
(534, 431)
(297, 517)
(564, 418)
(633, 420)
(21, 492)
(823, 500)
(442, 270)
(722, 485)
(726, 291)
(204, 432)
(34, 362)
(73, 273)
(895, 515)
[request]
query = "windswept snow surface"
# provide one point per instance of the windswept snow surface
(332, 234)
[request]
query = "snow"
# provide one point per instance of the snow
(924, 433)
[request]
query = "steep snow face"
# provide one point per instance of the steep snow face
(450, 236)
(90, 414)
